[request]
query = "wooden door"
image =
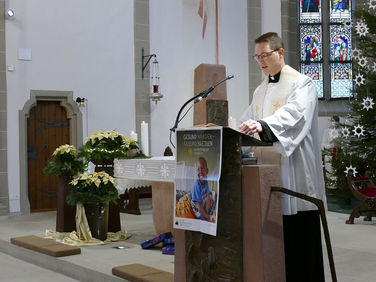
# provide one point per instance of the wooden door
(47, 128)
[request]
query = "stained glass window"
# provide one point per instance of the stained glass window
(311, 42)
(340, 49)
(336, 57)
(314, 71)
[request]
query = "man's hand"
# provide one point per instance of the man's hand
(250, 127)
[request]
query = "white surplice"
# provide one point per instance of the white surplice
(290, 108)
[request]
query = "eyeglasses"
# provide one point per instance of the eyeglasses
(264, 56)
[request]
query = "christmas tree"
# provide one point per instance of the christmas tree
(358, 131)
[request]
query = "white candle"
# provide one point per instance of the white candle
(145, 138)
(232, 123)
(134, 135)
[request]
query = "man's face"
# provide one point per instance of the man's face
(202, 170)
(271, 64)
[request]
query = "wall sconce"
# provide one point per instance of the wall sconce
(10, 13)
(154, 75)
(80, 101)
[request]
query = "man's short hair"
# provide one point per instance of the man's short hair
(275, 42)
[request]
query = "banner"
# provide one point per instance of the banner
(197, 173)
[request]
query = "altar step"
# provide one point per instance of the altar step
(59, 265)
(4, 210)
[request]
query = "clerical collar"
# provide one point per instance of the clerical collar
(274, 78)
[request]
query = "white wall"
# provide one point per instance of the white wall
(176, 38)
(82, 46)
(271, 16)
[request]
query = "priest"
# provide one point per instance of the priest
(284, 111)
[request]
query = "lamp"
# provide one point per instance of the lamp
(155, 95)
(10, 13)
(80, 101)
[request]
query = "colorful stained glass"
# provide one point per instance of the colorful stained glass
(310, 43)
(341, 83)
(340, 10)
(310, 11)
(340, 43)
(340, 46)
(314, 71)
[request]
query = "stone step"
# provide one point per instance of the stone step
(58, 265)
(4, 210)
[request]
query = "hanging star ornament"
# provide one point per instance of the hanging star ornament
(358, 130)
(361, 28)
(359, 79)
(367, 103)
(346, 132)
(372, 4)
(334, 133)
(362, 61)
(356, 53)
(348, 168)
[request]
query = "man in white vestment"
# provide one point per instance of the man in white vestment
(284, 111)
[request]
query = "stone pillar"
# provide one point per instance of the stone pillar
(213, 109)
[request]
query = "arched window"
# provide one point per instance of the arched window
(326, 45)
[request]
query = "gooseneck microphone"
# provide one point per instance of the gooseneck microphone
(197, 99)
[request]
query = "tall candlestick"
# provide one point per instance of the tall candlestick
(232, 123)
(145, 138)
(134, 135)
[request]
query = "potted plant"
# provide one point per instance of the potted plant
(102, 147)
(94, 191)
(65, 163)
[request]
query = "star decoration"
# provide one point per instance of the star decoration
(362, 61)
(358, 130)
(334, 133)
(367, 103)
(348, 168)
(359, 79)
(276, 106)
(346, 132)
(361, 28)
(372, 4)
(356, 53)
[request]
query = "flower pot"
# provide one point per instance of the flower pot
(132, 153)
(107, 165)
(104, 165)
(97, 218)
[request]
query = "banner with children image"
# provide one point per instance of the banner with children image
(198, 168)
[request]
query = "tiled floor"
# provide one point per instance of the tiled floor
(354, 248)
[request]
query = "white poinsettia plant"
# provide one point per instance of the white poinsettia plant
(65, 161)
(65, 149)
(91, 188)
(109, 145)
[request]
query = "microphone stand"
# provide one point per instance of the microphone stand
(197, 99)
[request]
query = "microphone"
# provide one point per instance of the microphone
(207, 92)
(198, 98)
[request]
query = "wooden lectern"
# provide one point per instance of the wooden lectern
(249, 241)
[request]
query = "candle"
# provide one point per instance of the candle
(232, 123)
(145, 138)
(134, 135)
